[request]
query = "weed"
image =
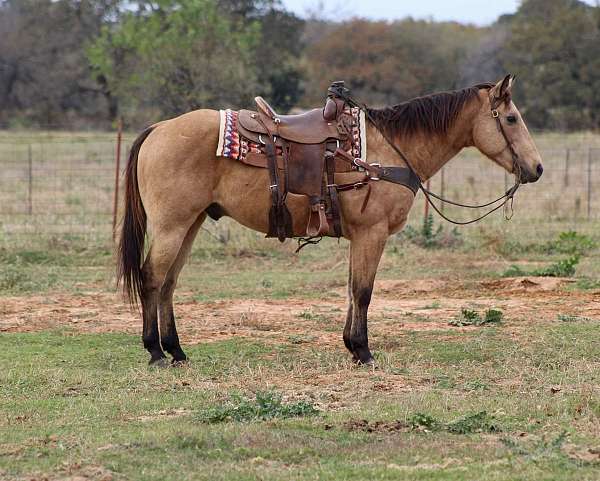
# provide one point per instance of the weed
(430, 237)
(563, 268)
(266, 405)
(473, 423)
(469, 317)
(571, 242)
(470, 423)
(445, 382)
(475, 385)
(11, 277)
(568, 242)
(300, 339)
(422, 422)
(433, 305)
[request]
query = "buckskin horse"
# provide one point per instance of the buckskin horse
(174, 179)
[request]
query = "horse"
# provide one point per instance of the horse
(174, 180)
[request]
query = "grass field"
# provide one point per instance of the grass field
(485, 370)
(270, 392)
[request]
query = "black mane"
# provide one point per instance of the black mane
(431, 114)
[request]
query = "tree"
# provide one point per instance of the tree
(385, 62)
(553, 47)
(44, 75)
(179, 56)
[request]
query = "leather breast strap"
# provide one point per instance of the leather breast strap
(374, 172)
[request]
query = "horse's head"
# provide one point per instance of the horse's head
(500, 133)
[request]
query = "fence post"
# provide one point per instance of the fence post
(567, 158)
(30, 181)
(589, 184)
(117, 172)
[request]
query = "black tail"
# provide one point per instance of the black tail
(133, 228)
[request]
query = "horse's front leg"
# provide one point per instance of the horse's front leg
(366, 248)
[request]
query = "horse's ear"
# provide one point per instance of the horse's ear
(502, 90)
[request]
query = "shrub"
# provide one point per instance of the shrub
(266, 405)
(430, 237)
(469, 317)
(563, 268)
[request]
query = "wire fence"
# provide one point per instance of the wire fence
(63, 185)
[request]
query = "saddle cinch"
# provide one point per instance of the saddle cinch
(302, 155)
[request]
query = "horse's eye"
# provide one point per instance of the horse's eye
(511, 119)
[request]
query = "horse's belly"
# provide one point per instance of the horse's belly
(243, 194)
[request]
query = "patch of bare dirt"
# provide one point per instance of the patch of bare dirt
(376, 426)
(398, 306)
(529, 284)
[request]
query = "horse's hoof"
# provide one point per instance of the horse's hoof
(369, 362)
(160, 362)
(179, 363)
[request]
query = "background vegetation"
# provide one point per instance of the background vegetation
(83, 63)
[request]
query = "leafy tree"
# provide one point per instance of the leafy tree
(385, 62)
(44, 75)
(553, 47)
(177, 56)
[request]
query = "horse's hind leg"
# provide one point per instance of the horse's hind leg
(163, 252)
(168, 330)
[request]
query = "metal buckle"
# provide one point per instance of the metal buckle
(276, 120)
(495, 113)
(374, 164)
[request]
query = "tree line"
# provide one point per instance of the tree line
(85, 63)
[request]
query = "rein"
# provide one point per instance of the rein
(507, 197)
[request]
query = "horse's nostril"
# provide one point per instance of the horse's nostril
(539, 170)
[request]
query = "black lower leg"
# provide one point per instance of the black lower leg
(358, 336)
(151, 336)
(170, 340)
(168, 330)
(152, 345)
(347, 331)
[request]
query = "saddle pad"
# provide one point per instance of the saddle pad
(235, 146)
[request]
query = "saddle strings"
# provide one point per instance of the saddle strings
(508, 195)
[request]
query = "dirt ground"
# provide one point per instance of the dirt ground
(397, 306)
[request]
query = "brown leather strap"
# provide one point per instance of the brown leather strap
(333, 196)
(280, 221)
(394, 174)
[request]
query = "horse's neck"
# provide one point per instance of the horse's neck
(426, 153)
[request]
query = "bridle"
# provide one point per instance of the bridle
(506, 200)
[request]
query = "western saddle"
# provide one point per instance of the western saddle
(303, 153)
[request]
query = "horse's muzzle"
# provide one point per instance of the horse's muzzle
(530, 177)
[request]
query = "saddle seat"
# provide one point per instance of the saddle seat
(311, 127)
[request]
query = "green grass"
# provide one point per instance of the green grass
(83, 402)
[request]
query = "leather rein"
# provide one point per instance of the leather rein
(506, 197)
